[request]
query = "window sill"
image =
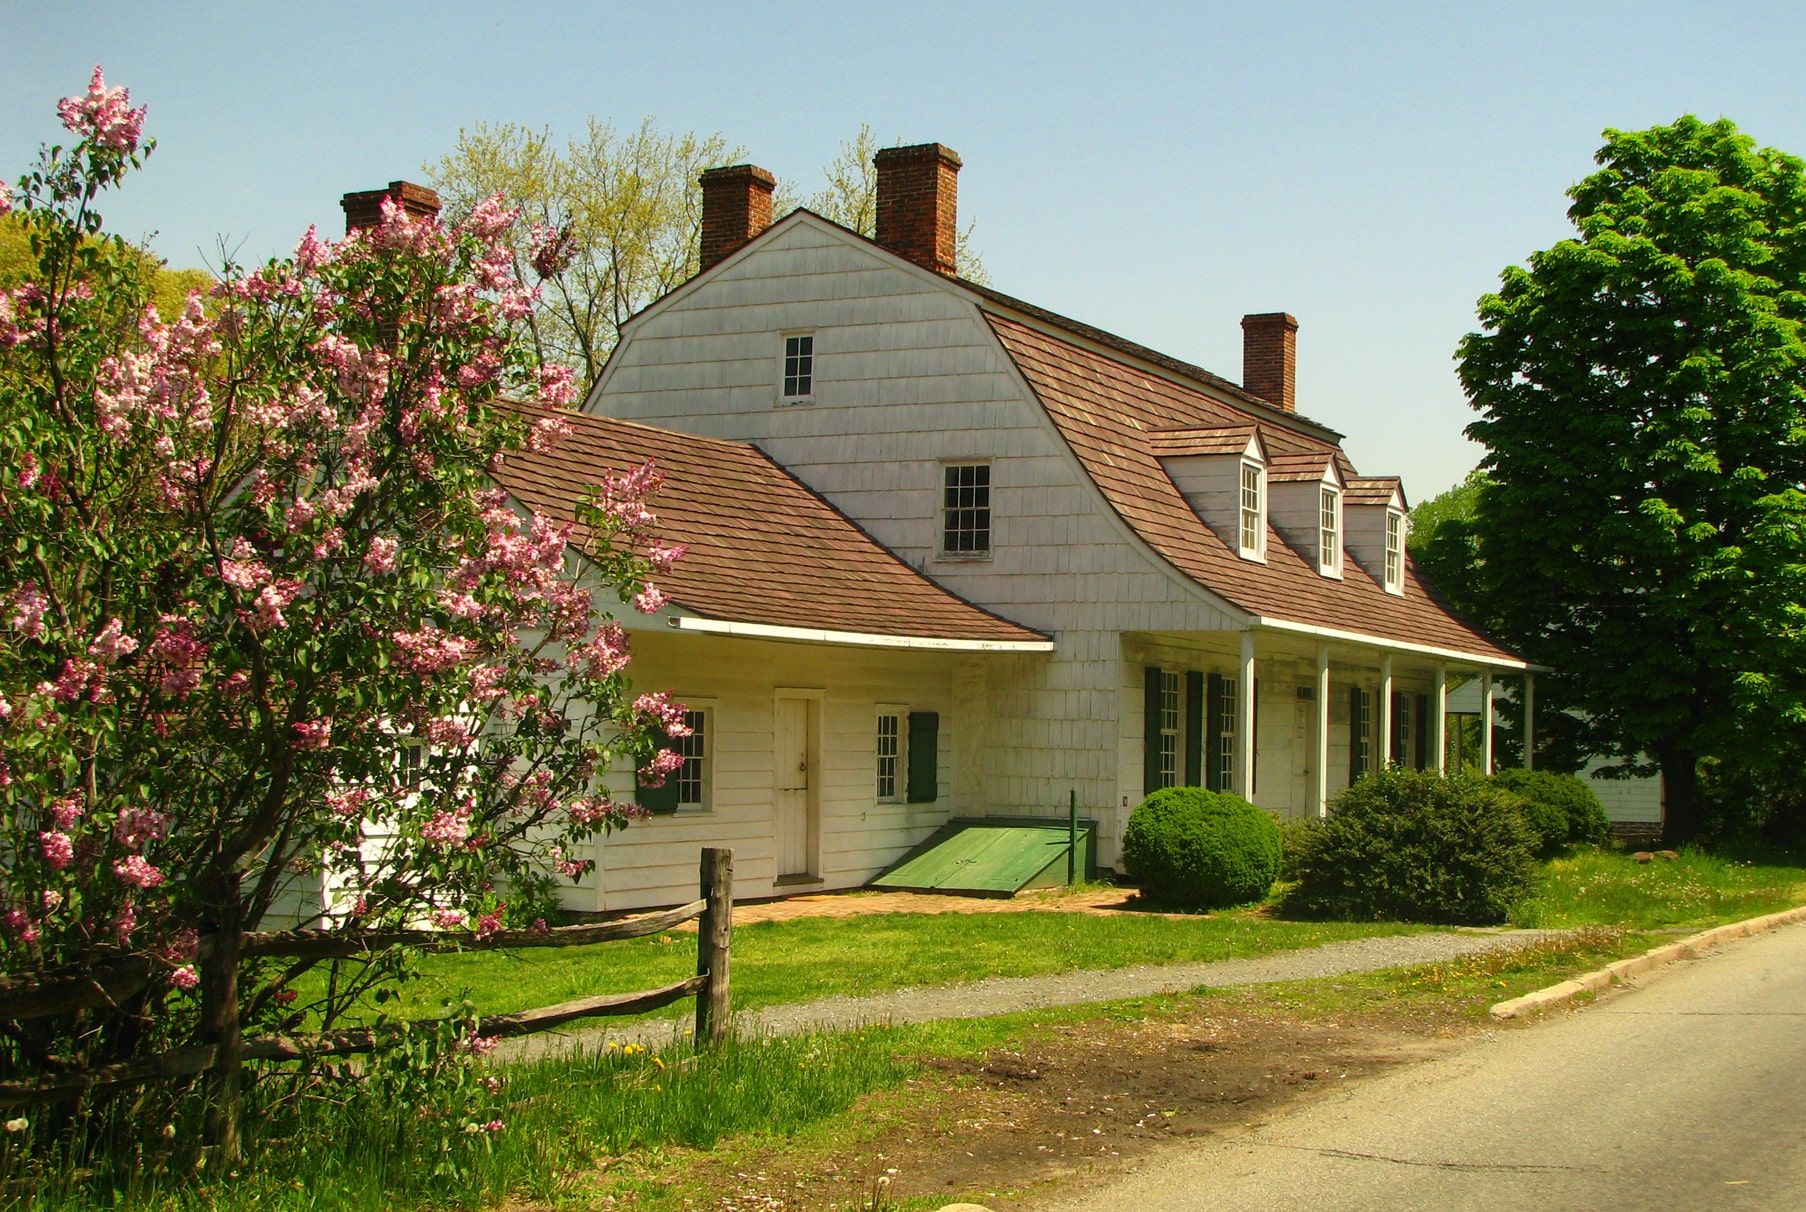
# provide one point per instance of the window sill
(962, 557)
(795, 401)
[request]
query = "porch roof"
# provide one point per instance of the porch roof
(766, 555)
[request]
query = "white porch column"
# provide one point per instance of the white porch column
(1244, 721)
(1486, 723)
(1529, 720)
(1320, 791)
(1439, 718)
(1387, 757)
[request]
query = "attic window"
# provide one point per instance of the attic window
(799, 366)
(1329, 536)
(1395, 551)
(1254, 511)
(966, 509)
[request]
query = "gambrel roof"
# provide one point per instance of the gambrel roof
(763, 548)
(1120, 418)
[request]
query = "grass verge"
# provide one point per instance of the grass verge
(1606, 888)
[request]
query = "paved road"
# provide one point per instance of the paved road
(1687, 1094)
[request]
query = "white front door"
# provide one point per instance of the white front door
(792, 779)
(1304, 747)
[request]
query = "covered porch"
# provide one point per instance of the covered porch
(1287, 716)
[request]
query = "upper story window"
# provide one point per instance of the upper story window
(1329, 536)
(1254, 510)
(799, 366)
(1395, 551)
(966, 509)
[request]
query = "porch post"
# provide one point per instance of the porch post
(1244, 722)
(1529, 720)
(1486, 723)
(1320, 792)
(1439, 718)
(1387, 757)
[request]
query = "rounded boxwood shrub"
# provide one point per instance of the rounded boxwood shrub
(1414, 846)
(1560, 807)
(1197, 849)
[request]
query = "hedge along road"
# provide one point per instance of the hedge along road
(1006, 995)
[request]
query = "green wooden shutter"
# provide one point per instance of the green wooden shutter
(1194, 729)
(659, 800)
(1150, 730)
(1213, 731)
(1425, 760)
(1357, 750)
(924, 757)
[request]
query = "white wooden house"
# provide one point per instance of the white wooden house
(1145, 574)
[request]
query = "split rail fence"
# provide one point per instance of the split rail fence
(32, 996)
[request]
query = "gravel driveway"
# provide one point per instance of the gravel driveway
(1005, 995)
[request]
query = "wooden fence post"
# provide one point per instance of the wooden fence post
(713, 934)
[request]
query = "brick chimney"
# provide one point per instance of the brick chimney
(364, 208)
(736, 206)
(918, 203)
(1270, 358)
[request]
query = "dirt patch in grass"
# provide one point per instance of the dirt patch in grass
(1072, 1101)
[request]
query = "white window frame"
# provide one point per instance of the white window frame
(947, 511)
(1251, 518)
(796, 366)
(898, 758)
(1329, 532)
(1172, 728)
(705, 737)
(1395, 552)
(1223, 760)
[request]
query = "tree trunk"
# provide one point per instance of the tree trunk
(1681, 808)
(220, 1027)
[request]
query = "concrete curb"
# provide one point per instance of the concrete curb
(1612, 974)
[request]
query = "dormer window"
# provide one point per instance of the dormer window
(1329, 533)
(799, 367)
(1395, 551)
(1254, 511)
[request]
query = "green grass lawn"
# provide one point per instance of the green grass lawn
(1605, 888)
(811, 958)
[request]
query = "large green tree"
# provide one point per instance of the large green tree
(1642, 390)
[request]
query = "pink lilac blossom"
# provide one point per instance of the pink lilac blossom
(111, 643)
(445, 732)
(312, 735)
(447, 828)
(446, 919)
(20, 923)
(380, 559)
(78, 679)
(491, 922)
(59, 849)
(51, 899)
(185, 977)
(662, 557)
(606, 653)
(104, 115)
(137, 826)
(649, 600)
(557, 386)
(29, 605)
(66, 810)
(481, 1045)
(430, 650)
(136, 872)
(124, 922)
(660, 707)
(177, 656)
(349, 803)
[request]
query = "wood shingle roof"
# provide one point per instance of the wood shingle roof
(763, 548)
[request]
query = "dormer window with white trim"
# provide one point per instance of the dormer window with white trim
(799, 368)
(1253, 511)
(1395, 551)
(1329, 532)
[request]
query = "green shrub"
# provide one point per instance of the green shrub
(1415, 846)
(1296, 837)
(1560, 807)
(1197, 849)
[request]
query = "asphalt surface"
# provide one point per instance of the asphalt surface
(1685, 1093)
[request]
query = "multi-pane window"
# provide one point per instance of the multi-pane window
(692, 777)
(1253, 515)
(890, 753)
(799, 367)
(1404, 731)
(1222, 756)
(966, 509)
(1329, 527)
(1169, 728)
(1360, 734)
(1395, 550)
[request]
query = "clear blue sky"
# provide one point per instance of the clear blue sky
(1157, 170)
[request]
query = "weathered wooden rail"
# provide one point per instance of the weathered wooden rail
(62, 992)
